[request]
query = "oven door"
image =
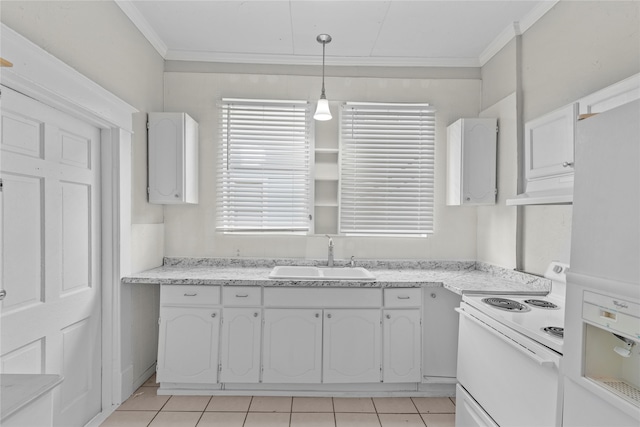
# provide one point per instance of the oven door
(513, 378)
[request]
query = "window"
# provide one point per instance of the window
(264, 180)
(386, 169)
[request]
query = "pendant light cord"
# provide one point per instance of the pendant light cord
(322, 95)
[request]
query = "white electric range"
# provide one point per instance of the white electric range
(509, 356)
(541, 318)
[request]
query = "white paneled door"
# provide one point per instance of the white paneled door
(50, 240)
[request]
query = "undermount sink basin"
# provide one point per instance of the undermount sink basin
(321, 273)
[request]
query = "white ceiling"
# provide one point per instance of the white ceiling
(364, 32)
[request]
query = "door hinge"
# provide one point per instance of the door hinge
(220, 367)
(159, 319)
(1, 185)
(148, 126)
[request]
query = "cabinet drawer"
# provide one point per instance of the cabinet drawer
(189, 295)
(402, 297)
(241, 295)
(322, 297)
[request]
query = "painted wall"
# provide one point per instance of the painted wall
(99, 41)
(496, 237)
(575, 49)
(190, 230)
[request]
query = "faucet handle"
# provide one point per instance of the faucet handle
(330, 240)
(352, 262)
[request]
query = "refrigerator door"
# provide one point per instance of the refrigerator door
(606, 216)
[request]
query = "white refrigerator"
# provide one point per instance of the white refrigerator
(601, 365)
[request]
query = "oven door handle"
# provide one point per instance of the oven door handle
(500, 335)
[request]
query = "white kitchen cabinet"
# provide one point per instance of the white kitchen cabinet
(440, 334)
(549, 142)
(188, 345)
(173, 158)
(292, 346)
(471, 162)
(548, 158)
(401, 350)
(240, 345)
(351, 346)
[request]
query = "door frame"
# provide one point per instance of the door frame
(41, 76)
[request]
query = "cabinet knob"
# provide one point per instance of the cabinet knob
(317, 314)
(255, 314)
(329, 316)
(213, 314)
(388, 316)
(176, 196)
(567, 164)
(433, 295)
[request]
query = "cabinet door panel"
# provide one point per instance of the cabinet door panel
(240, 344)
(292, 346)
(401, 346)
(549, 142)
(351, 347)
(188, 345)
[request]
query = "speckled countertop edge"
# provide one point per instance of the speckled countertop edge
(457, 276)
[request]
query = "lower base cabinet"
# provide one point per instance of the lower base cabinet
(240, 345)
(292, 346)
(401, 334)
(352, 346)
(188, 345)
(367, 342)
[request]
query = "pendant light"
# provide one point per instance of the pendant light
(322, 110)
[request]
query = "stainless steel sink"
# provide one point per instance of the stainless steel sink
(321, 273)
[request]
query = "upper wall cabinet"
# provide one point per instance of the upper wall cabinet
(549, 143)
(173, 158)
(471, 162)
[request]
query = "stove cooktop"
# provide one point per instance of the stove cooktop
(540, 318)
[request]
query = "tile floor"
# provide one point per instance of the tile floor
(146, 408)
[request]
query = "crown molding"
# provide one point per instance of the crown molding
(515, 29)
(261, 59)
(143, 26)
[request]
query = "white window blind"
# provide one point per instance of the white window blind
(264, 178)
(386, 169)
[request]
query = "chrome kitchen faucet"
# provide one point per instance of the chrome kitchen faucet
(330, 254)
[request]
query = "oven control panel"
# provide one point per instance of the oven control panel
(612, 313)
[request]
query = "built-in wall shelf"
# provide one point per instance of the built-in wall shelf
(326, 150)
(326, 172)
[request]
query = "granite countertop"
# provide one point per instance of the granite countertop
(18, 390)
(457, 276)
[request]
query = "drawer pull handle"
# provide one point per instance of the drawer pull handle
(242, 295)
(190, 295)
(403, 297)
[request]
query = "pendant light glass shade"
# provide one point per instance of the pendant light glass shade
(322, 110)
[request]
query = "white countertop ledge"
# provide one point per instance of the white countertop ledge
(457, 276)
